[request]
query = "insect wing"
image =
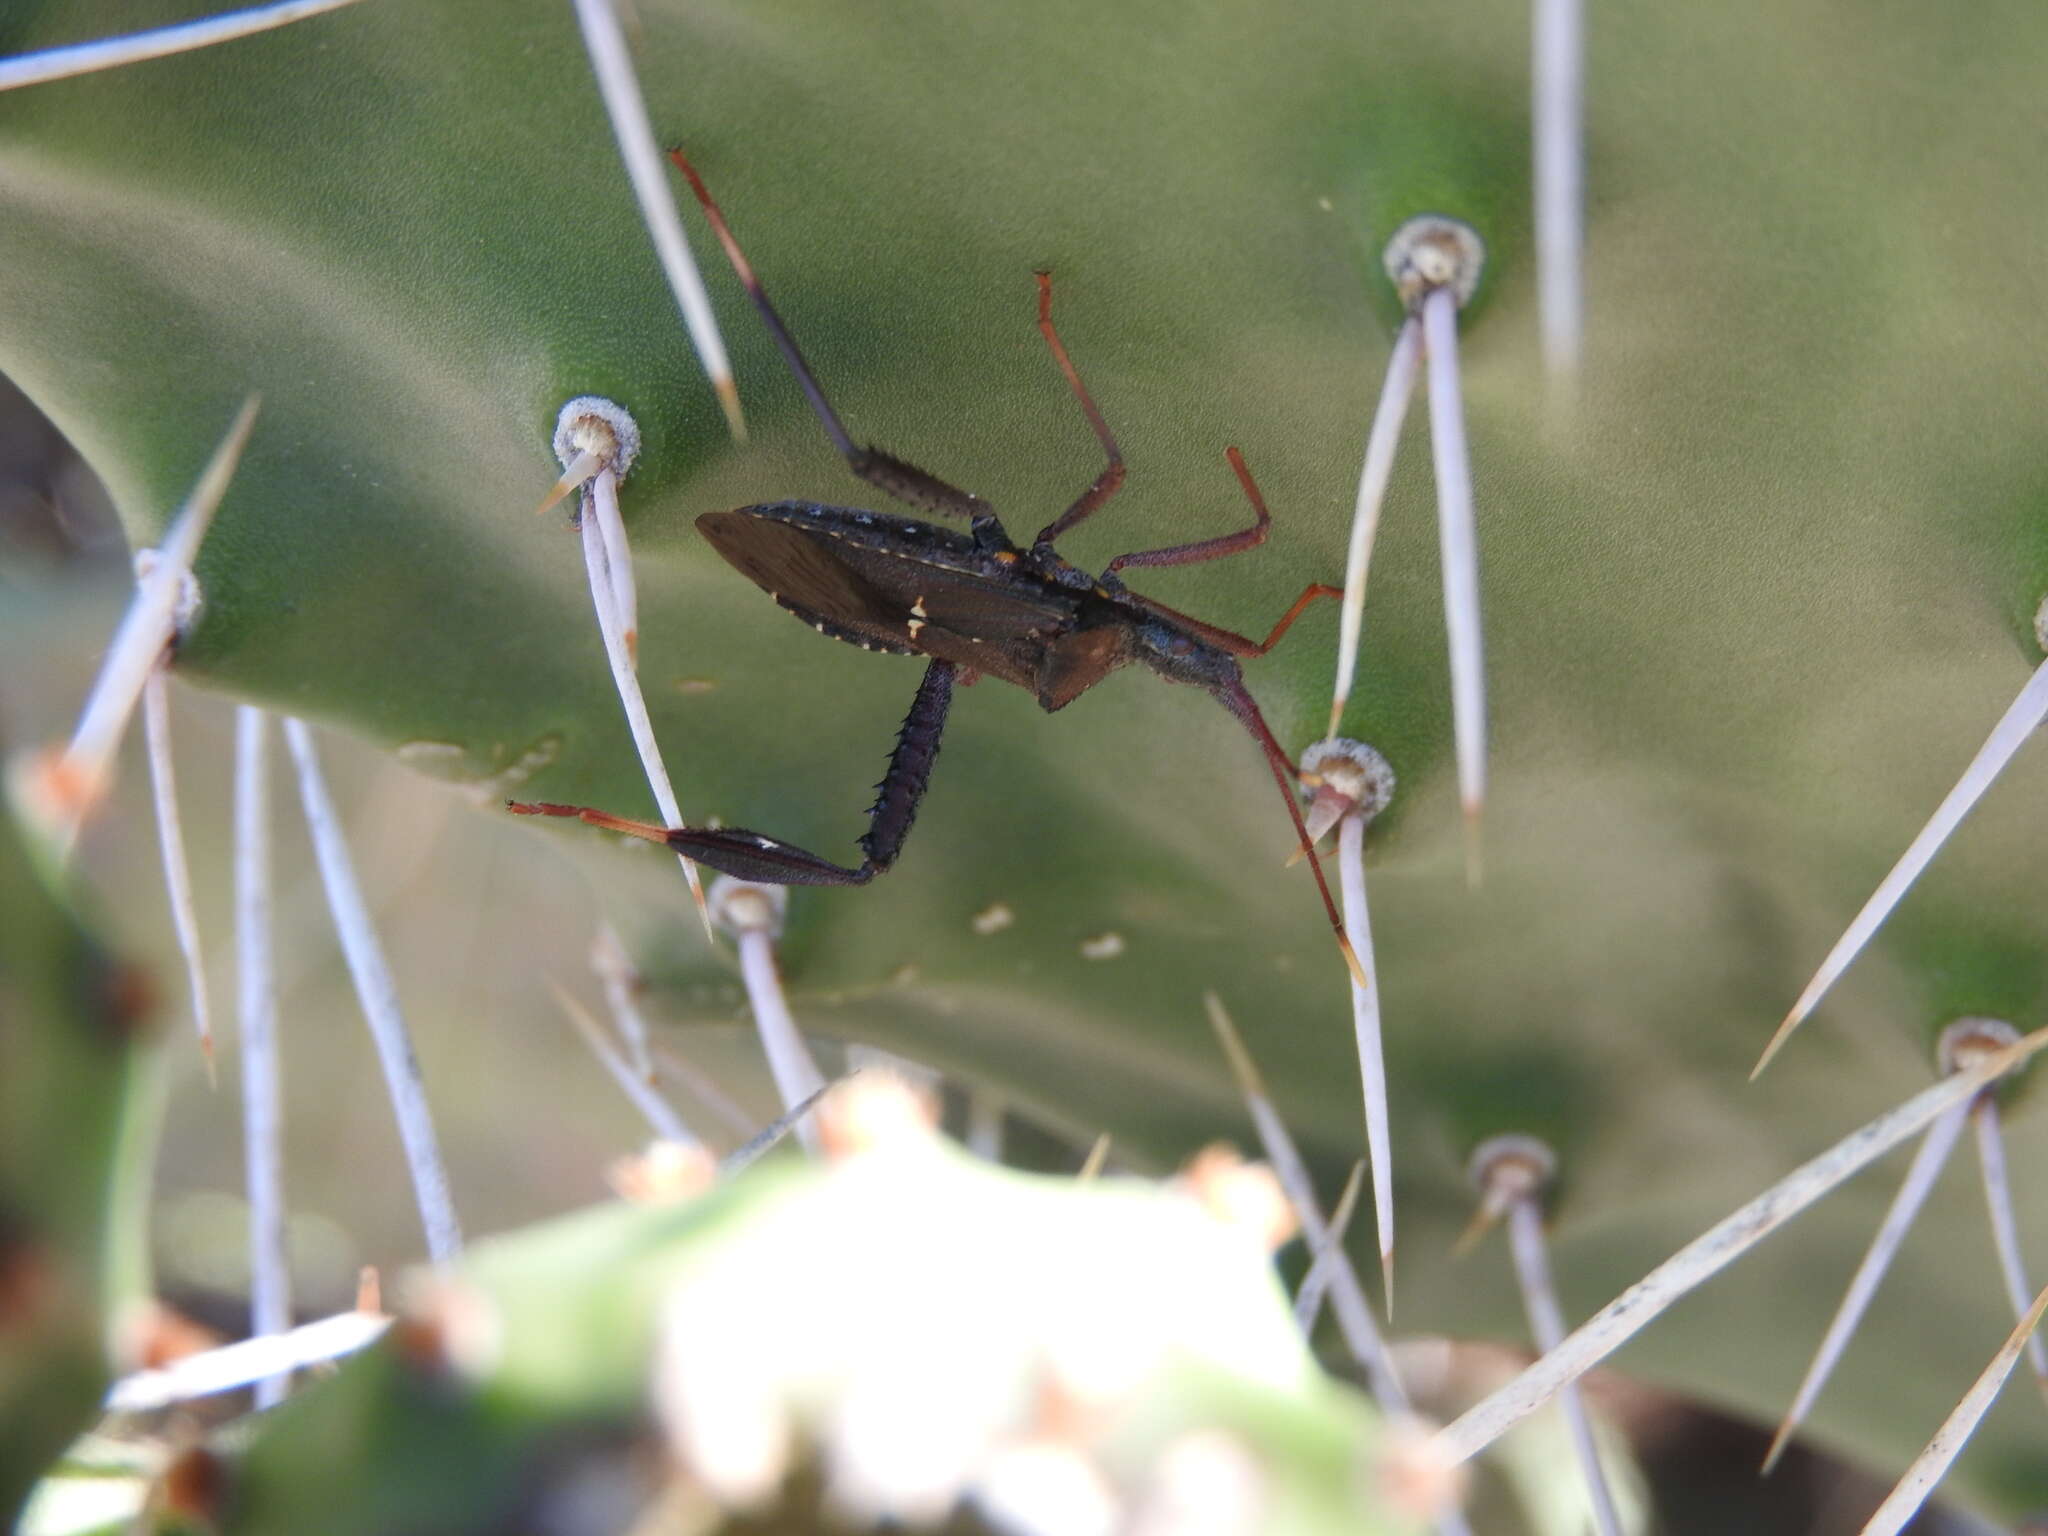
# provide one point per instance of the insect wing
(895, 584)
(993, 620)
(995, 610)
(792, 563)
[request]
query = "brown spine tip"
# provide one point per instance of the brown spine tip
(1475, 860)
(729, 402)
(1777, 1040)
(1358, 976)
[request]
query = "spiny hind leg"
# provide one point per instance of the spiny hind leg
(748, 855)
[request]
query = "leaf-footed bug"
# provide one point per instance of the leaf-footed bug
(975, 603)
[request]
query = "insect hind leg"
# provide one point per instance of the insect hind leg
(748, 855)
(754, 856)
(731, 851)
(910, 768)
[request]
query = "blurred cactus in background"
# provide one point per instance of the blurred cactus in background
(77, 1113)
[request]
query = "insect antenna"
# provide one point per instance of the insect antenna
(777, 331)
(919, 487)
(1240, 703)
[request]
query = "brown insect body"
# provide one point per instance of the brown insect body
(972, 602)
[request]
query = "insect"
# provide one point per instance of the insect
(973, 603)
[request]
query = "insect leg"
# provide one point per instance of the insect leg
(1234, 698)
(906, 482)
(754, 856)
(1208, 549)
(1309, 594)
(910, 768)
(1229, 639)
(1112, 475)
(730, 850)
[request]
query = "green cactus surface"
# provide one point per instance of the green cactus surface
(1754, 592)
(75, 1112)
